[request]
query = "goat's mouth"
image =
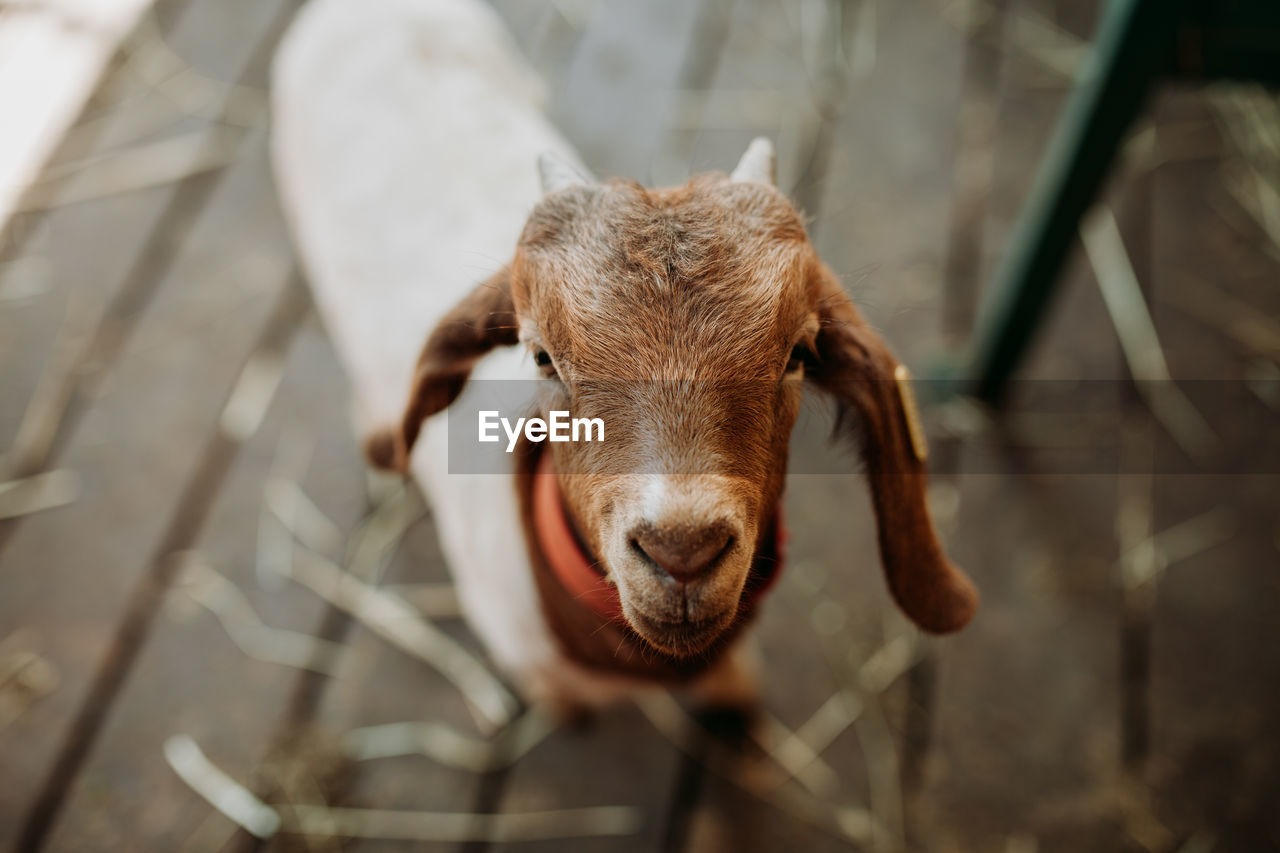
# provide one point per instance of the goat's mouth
(682, 638)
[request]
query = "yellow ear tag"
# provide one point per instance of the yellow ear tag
(919, 444)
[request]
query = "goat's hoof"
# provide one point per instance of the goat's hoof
(729, 723)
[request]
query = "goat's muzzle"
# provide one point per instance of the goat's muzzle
(680, 554)
(680, 549)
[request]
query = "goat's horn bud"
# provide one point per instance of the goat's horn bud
(558, 173)
(757, 163)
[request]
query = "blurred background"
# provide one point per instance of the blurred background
(175, 449)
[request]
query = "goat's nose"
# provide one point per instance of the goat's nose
(683, 552)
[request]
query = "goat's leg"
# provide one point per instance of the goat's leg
(733, 682)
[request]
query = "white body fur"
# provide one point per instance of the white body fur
(406, 140)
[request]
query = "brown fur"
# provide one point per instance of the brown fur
(685, 318)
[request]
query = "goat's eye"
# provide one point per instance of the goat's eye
(542, 358)
(795, 363)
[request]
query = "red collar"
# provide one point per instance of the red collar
(561, 549)
(586, 583)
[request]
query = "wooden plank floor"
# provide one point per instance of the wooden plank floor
(157, 348)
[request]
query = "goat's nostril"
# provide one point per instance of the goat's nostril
(683, 553)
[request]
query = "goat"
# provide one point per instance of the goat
(687, 319)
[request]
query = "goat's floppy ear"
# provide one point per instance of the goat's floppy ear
(485, 319)
(856, 367)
